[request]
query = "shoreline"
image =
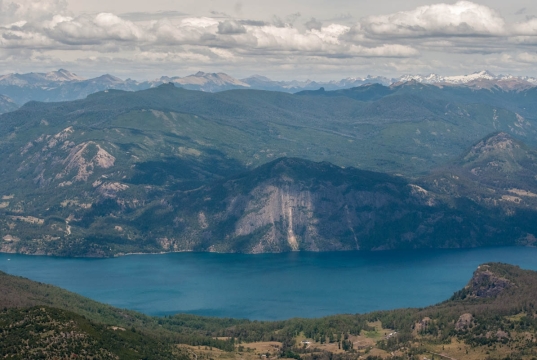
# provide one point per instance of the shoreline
(118, 255)
(149, 253)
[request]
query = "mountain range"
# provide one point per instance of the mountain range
(482, 79)
(63, 85)
(169, 169)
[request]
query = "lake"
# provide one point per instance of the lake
(269, 286)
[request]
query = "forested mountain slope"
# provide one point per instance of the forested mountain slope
(412, 129)
(168, 169)
(288, 204)
(493, 317)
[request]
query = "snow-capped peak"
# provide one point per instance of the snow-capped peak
(463, 79)
(204, 79)
(62, 75)
(458, 79)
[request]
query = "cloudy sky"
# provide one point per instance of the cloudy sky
(283, 39)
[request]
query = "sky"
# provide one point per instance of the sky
(281, 39)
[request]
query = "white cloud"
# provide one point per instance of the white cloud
(331, 33)
(92, 30)
(461, 18)
(431, 34)
(29, 10)
(388, 51)
(527, 58)
(231, 27)
(528, 27)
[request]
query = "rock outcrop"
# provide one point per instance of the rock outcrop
(464, 322)
(486, 284)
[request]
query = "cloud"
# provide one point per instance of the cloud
(460, 19)
(147, 16)
(231, 27)
(396, 51)
(313, 24)
(220, 14)
(108, 32)
(287, 22)
(29, 10)
(104, 27)
(528, 27)
(253, 22)
(424, 35)
(527, 57)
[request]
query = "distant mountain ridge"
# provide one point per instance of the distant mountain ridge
(63, 85)
(39, 79)
(481, 79)
(7, 104)
(462, 79)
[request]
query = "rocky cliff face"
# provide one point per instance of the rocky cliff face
(485, 283)
(287, 210)
(293, 204)
(293, 210)
(488, 281)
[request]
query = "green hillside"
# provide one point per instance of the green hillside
(493, 317)
(497, 171)
(410, 129)
(49, 333)
(293, 204)
(159, 170)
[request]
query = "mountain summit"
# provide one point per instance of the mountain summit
(481, 79)
(39, 79)
(63, 85)
(204, 81)
(499, 152)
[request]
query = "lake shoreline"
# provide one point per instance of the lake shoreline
(119, 255)
(268, 286)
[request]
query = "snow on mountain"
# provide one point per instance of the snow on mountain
(203, 81)
(460, 79)
(202, 78)
(62, 75)
(264, 83)
(63, 85)
(477, 78)
(39, 79)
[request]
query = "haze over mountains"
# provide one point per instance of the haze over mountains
(63, 85)
(409, 165)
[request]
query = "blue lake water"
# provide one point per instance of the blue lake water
(270, 286)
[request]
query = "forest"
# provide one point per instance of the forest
(493, 317)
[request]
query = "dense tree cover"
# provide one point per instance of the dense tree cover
(45, 333)
(117, 172)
